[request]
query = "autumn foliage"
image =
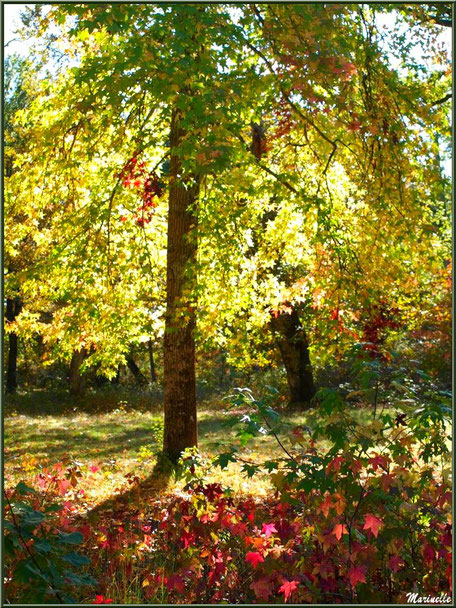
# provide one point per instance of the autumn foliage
(254, 202)
(361, 521)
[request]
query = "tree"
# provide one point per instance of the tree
(343, 137)
(190, 81)
(180, 429)
(276, 233)
(17, 77)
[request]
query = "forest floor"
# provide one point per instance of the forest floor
(114, 435)
(98, 454)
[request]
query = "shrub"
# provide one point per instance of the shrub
(361, 511)
(41, 561)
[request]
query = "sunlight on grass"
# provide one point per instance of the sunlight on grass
(121, 441)
(115, 443)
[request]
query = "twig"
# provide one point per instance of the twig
(277, 439)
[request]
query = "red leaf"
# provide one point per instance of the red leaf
(349, 67)
(288, 587)
(41, 481)
(339, 529)
(395, 563)
(446, 539)
(100, 599)
(334, 465)
(379, 461)
(355, 125)
(356, 466)
(356, 575)
(86, 531)
(268, 530)
(372, 523)
(254, 558)
(324, 569)
(64, 484)
(175, 581)
(326, 505)
(428, 553)
(261, 588)
(188, 538)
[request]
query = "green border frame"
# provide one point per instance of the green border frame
(233, 2)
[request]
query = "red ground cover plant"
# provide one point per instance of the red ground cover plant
(360, 512)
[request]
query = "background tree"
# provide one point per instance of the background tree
(18, 78)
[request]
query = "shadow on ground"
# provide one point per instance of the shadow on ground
(132, 502)
(43, 402)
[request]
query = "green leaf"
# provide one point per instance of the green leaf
(222, 460)
(23, 489)
(77, 560)
(79, 580)
(33, 518)
(53, 508)
(73, 538)
(8, 546)
(250, 469)
(42, 545)
(270, 465)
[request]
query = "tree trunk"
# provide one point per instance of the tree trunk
(290, 336)
(180, 428)
(153, 375)
(13, 307)
(292, 342)
(116, 378)
(75, 378)
(137, 373)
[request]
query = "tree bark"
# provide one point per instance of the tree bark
(75, 378)
(13, 307)
(116, 378)
(180, 427)
(153, 375)
(137, 373)
(292, 342)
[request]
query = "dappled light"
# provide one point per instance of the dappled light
(227, 305)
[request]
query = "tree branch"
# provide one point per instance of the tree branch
(442, 100)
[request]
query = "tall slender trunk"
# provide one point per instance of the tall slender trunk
(292, 342)
(180, 428)
(74, 377)
(13, 307)
(153, 375)
(137, 373)
(116, 378)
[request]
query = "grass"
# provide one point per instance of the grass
(115, 434)
(118, 432)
